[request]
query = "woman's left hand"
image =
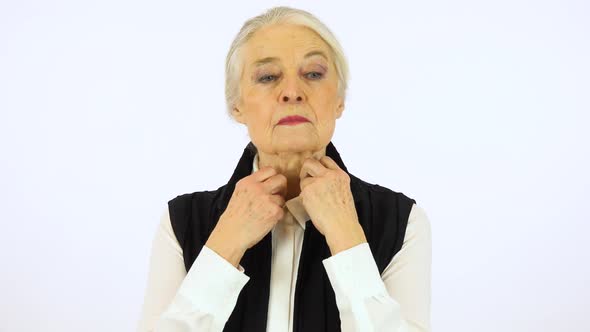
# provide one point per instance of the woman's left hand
(326, 196)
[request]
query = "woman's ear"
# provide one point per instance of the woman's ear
(340, 109)
(238, 115)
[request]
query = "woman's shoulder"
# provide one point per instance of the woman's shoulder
(378, 192)
(385, 198)
(185, 208)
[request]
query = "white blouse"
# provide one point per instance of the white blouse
(398, 300)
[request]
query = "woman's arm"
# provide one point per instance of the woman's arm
(399, 299)
(200, 300)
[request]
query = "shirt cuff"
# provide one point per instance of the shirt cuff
(212, 284)
(353, 273)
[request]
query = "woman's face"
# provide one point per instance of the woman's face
(288, 70)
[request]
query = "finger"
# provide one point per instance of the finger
(306, 182)
(329, 163)
(264, 173)
(276, 184)
(312, 167)
(278, 199)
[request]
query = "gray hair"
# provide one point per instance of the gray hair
(276, 15)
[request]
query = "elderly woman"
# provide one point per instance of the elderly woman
(293, 242)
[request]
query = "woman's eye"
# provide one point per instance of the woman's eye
(314, 75)
(267, 78)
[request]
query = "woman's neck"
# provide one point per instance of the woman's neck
(289, 164)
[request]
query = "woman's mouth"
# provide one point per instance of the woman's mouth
(292, 120)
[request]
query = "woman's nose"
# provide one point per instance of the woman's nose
(292, 92)
(287, 98)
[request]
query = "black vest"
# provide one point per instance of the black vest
(383, 215)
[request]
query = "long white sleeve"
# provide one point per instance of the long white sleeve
(399, 299)
(200, 300)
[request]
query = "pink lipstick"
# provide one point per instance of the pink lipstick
(292, 120)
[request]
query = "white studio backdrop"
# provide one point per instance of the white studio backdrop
(477, 109)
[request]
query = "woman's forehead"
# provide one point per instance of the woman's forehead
(278, 41)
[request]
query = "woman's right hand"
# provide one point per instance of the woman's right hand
(255, 207)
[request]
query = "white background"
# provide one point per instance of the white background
(477, 109)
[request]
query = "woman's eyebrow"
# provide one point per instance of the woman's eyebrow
(269, 59)
(317, 52)
(263, 61)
